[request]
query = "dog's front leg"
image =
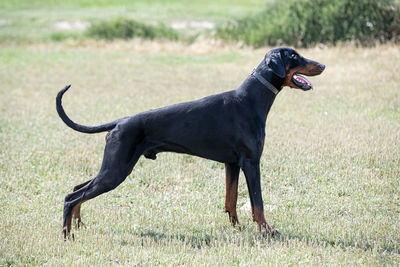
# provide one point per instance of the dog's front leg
(251, 171)
(232, 178)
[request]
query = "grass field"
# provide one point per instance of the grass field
(330, 167)
(25, 21)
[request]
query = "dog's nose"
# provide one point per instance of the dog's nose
(321, 67)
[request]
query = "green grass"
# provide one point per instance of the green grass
(330, 168)
(34, 21)
(121, 28)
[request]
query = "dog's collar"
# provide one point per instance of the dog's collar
(262, 80)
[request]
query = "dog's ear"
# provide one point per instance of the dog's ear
(275, 62)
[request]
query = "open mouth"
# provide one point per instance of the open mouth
(301, 82)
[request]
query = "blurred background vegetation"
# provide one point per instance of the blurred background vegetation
(300, 23)
(309, 22)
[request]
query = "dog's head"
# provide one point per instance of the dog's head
(288, 65)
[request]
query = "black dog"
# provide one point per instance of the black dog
(227, 127)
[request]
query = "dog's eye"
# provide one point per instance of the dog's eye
(294, 56)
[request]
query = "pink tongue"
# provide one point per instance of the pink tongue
(302, 79)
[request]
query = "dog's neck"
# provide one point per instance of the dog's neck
(270, 76)
(259, 96)
(266, 83)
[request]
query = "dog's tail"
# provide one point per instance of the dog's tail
(78, 127)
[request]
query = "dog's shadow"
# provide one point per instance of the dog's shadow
(195, 240)
(202, 239)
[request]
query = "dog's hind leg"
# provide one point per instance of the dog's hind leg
(79, 186)
(76, 215)
(120, 156)
(76, 212)
(106, 180)
(232, 178)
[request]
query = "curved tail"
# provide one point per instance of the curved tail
(78, 127)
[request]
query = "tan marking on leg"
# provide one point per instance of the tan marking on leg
(76, 214)
(67, 228)
(258, 216)
(231, 194)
